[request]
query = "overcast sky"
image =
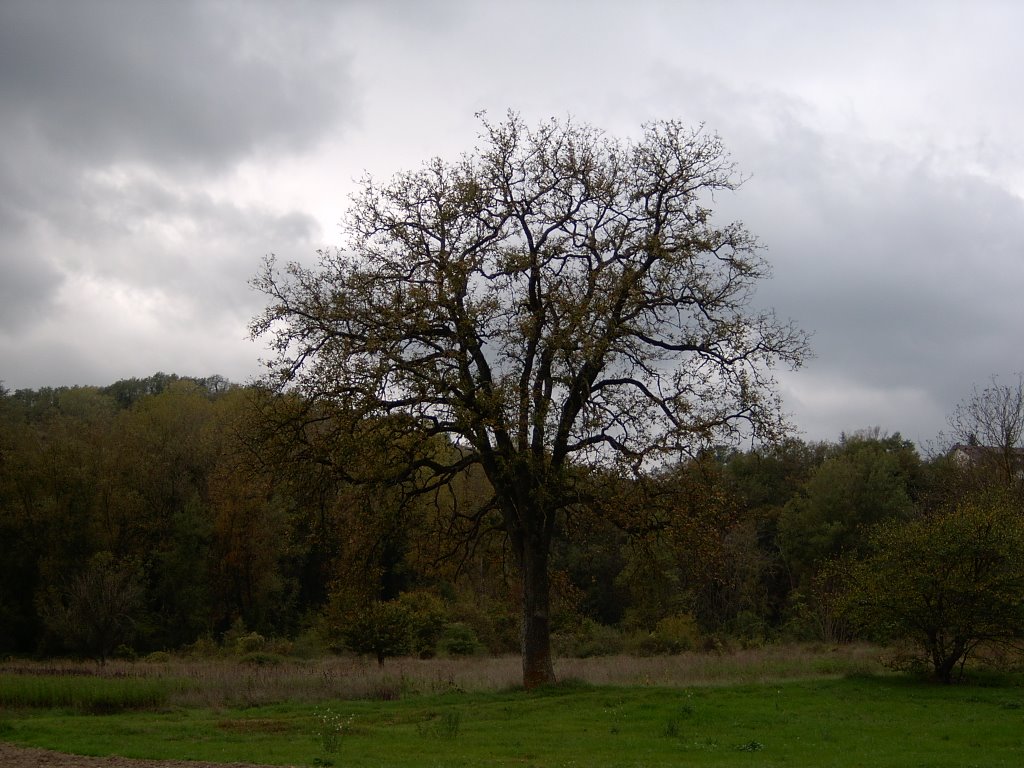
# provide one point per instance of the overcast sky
(154, 152)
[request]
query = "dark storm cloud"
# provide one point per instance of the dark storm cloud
(896, 269)
(26, 288)
(909, 275)
(189, 84)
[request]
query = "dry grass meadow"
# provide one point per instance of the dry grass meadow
(227, 682)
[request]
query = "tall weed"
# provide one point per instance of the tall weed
(92, 694)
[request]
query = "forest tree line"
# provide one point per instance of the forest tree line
(188, 501)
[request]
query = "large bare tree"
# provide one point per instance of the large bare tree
(555, 298)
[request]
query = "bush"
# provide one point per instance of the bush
(311, 644)
(280, 646)
(495, 625)
(676, 634)
(204, 647)
(125, 652)
(252, 642)
(673, 634)
(427, 617)
(97, 609)
(749, 627)
(590, 639)
(459, 640)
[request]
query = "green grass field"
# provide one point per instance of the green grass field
(823, 719)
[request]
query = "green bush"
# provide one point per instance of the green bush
(252, 642)
(311, 644)
(280, 646)
(125, 652)
(495, 625)
(749, 627)
(427, 618)
(459, 640)
(673, 634)
(677, 634)
(589, 639)
(204, 647)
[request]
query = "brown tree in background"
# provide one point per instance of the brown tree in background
(555, 298)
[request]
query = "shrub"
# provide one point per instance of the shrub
(459, 640)
(125, 652)
(204, 647)
(97, 610)
(427, 617)
(310, 644)
(280, 646)
(676, 634)
(495, 625)
(252, 642)
(673, 634)
(590, 639)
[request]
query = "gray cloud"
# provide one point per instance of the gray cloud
(903, 257)
(117, 115)
(27, 287)
(909, 274)
(898, 268)
(183, 85)
(183, 241)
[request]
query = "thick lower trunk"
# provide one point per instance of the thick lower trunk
(537, 667)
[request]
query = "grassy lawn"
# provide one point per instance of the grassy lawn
(852, 720)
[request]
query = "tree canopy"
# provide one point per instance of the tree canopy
(554, 298)
(949, 582)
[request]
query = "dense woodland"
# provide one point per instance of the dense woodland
(171, 513)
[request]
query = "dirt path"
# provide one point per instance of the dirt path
(12, 756)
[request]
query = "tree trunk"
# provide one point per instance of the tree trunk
(536, 637)
(945, 661)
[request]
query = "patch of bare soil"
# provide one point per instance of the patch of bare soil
(12, 756)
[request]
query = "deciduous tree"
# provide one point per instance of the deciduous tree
(867, 479)
(949, 582)
(99, 606)
(989, 427)
(556, 297)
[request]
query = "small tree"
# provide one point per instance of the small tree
(97, 609)
(947, 582)
(384, 629)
